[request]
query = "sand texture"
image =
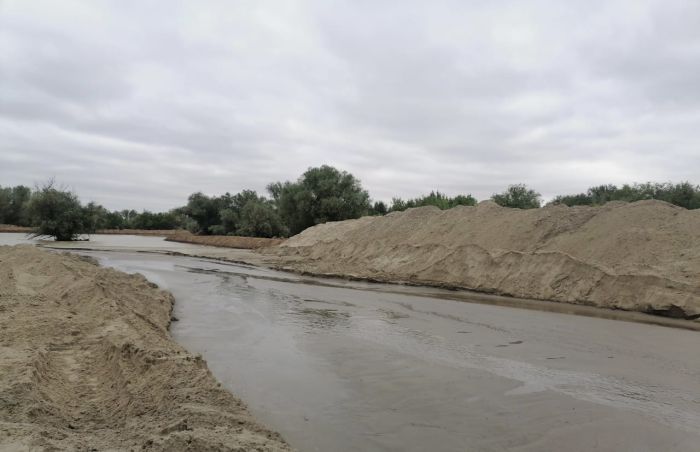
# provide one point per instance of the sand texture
(642, 256)
(87, 363)
(224, 241)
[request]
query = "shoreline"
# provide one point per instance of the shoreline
(456, 293)
(88, 361)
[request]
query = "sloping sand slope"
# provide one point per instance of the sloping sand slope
(643, 256)
(87, 363)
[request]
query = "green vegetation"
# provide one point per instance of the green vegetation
(245, 213)
(683, 194)
(321, 194)
(57, 213)
(435, 198)
(519, 197)
(14, 203)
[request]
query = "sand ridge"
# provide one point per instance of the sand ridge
(642, 256)
(87, 363)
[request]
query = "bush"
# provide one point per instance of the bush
(518, 196)
(260, 219)
(683, 194)
(57, 213)
(435, 198)
(321, 194)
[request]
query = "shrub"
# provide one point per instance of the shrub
(57, 213)
(518, 196)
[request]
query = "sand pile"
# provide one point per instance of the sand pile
(87, 363)
(643, 256)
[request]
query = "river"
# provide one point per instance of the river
(350, 366)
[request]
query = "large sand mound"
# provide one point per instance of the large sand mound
(643, 256)
(86, 363)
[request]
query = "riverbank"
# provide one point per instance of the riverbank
(269, 258)
(224, 241)
(87, 363)
(641, 257)
(175, 235)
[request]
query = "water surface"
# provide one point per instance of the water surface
(344, 366)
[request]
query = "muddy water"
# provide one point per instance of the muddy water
(345, 366)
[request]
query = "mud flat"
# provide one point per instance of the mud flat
(642, 256)
(87, 363)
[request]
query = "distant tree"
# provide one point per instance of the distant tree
(95, 217)
(114, 220)
(518, 196)
(398, 204)
(4, 205)
(128, 216)
(259, 218)
(379, 208)
(682, 194)
(205, 211)
(435, 198)
(321, 194)
(230, 219)
(14, 204)
(157, 220)
(57, 213)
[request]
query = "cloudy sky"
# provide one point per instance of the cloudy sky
(139, 103)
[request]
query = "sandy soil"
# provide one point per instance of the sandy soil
(87, 363)
(226, 241)
(150, 232)
(642, 256)
(13, 228)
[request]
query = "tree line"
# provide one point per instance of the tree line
(319, 195)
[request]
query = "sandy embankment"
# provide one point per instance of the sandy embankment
(87, 363)
(224, 241)
(642, 256)
(13, 228)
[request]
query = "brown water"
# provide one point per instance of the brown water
(345, 366)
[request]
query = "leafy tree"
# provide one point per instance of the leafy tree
(95, 216)
(321, 194)
(230, 220)
(204, 210)
(259, 218)
(518, 196)
(57, 213)
(14, 202)
(435, 198)
(114, 220)
(379, 208)
(157, 220)
(683, 194)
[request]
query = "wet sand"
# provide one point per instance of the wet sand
(158, 245)
(87, 363)
(344, 368)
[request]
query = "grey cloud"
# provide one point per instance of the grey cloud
(140, 104)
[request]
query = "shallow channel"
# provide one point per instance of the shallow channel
(346, 366)
(348, 369)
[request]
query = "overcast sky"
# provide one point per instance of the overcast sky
(140, 103)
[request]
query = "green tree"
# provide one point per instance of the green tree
(379, 208)
(518, 196)
(205, 211)
(259, 218)
(683, 194)
(57, 213)
(154, 220)
(321, 194)
(435, 198)
(14, 205)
